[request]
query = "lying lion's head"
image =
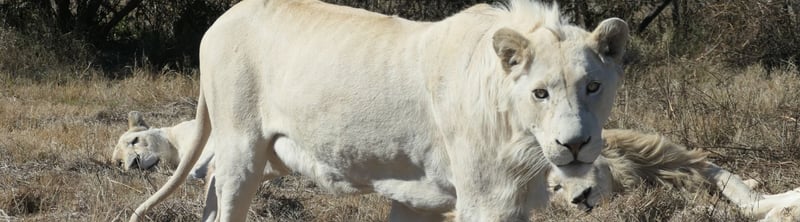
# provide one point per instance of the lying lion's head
(583, 192)
(142, 147)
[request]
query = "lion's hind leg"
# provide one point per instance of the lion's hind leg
(210, 210)
(750, 202)
(239, 162)
(789, 213)
(778, 207)
(771, 206)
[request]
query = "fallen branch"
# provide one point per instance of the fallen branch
(125, 185)
(650, 17)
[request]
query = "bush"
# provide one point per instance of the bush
(111, 35)
(117, 35)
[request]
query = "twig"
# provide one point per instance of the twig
(125, 185)
(591, 216)
(5, 216)
(152, 186)
(734, 148)
(649, 18)
(116, 218)
(789, 118)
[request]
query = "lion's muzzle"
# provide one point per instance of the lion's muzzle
(574, 146)
(140, 161)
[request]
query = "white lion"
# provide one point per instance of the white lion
(476, 106)
(142, 147)
(630, 159)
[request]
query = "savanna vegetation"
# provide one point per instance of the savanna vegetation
(715, 75)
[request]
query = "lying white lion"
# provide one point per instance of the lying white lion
(630, 159)
(142, 147)
(463, 114)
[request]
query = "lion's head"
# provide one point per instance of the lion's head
(583, 192)
(142, 147)
(565, 80)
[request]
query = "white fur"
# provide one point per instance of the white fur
(418, 112)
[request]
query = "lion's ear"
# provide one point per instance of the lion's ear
(610, 38)
(511, 47)
(135, 120)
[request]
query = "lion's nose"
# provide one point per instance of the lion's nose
(583, 196)
(574, 145)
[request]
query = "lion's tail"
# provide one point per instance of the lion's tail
(185, 166)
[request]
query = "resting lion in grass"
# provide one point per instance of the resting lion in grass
(144, 148)
(631, 159)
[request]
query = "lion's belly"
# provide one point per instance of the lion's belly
(360, 141)
(390, 172)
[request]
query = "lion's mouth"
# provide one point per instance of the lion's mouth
(589, 208)
(574, 162)
(583, 199)
(142, 164)
(153, 166)
(575, 168)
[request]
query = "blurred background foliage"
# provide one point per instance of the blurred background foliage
(114, 36)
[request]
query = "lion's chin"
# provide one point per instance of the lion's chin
(574, 169)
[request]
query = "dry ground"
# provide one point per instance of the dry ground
(56, 138)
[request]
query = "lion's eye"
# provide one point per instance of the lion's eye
(134, 141)
(540, 93)
(557, 187)
(593, 87)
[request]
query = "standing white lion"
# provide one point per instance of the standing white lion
(476, 106)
